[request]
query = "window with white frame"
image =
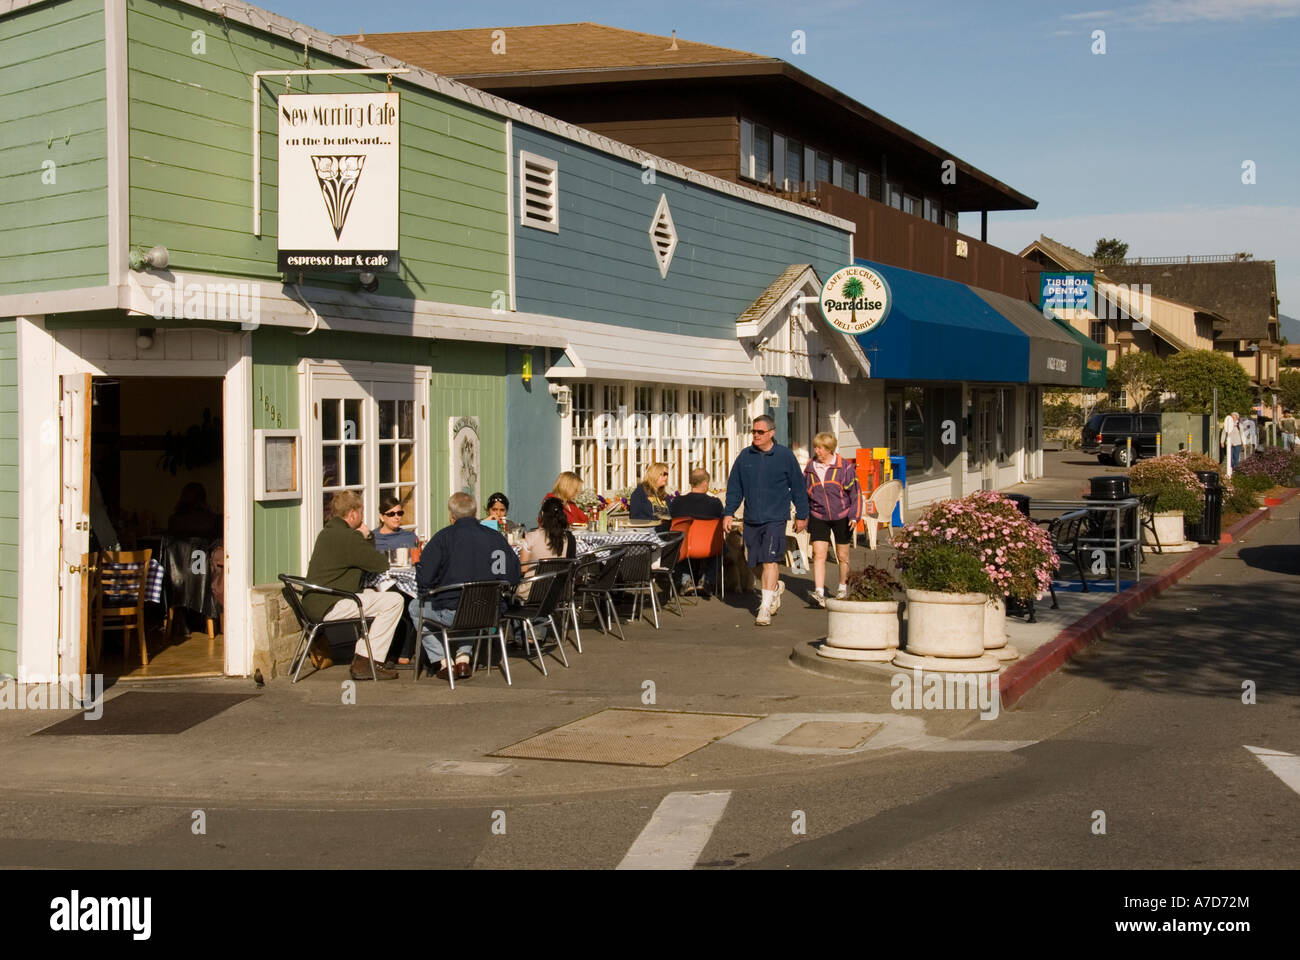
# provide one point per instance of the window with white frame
(539, 201)
(911, 205)
(950, 219)
(755, 151)
(794, 163)
(368, 433)
(611, 447)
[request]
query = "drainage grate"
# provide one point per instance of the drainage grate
(137, 713)
(632, 738)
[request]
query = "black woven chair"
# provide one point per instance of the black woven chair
(545, 592)
(478, 613)
(663, 570)
(567, 609)
(1064, 532)
(296, 589)
(595, 578)
(636, 580)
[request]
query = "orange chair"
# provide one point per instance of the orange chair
(120, 583)
(702, 541)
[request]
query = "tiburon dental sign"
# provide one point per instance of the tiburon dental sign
(855, 300)
(338, 172)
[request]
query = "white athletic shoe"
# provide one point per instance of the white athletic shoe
(842, 592)
(819, 598)
(776, 601)
(764, 617)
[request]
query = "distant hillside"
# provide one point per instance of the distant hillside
(1289, 328)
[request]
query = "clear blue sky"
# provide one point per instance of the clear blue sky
(1144, 142)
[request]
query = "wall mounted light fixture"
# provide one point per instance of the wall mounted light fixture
(155, 258)
(144, 338)
(367, 281)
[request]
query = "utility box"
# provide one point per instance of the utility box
(1176, 428)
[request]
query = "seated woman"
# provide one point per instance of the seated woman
(192, 516)
(551, 539)
(648, 500)
(567, 486)
(389, 534)
(497, 507)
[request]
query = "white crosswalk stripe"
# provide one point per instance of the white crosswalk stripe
(677, 832)
(1285, 765)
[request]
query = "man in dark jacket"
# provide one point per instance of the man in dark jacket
(343, 552)
(766, 476)
(460, 553)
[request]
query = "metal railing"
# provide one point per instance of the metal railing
(1160, 261)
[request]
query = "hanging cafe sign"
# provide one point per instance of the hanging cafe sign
(338, 172)
(855, 300)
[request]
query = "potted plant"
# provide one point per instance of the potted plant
(947, 591)
(1179, 494)
(864, 625)
(1014, 552)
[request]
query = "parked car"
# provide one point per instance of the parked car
(1107, 435)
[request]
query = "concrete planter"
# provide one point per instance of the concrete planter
(1169, 528)
(945, 632)
(995, 631)
(858, 630)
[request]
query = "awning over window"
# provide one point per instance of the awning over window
(600, 351)
(1055, 357)
(940, 330)
(1094, 354)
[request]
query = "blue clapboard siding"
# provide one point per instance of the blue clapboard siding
(601, 267)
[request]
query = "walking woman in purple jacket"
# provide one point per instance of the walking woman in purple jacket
(833, 505)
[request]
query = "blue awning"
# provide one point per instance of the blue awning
(939, 329)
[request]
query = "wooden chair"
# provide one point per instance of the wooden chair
(119, 595)
(884, 498)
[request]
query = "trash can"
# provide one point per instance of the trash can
(1207, 529)
(1021, 501)
(899, 466)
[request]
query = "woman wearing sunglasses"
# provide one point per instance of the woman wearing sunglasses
(389, 534)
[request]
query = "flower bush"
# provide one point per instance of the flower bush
(1014, 552)
(1238, 498)
(1197, 461)
(946, 568)
(1276, 463)
(872, 585)
(1174, 483)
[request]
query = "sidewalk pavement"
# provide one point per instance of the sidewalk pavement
(341, 743)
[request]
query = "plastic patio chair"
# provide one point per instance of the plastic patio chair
(884, 499)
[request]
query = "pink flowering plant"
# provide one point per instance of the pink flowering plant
(1016, 553)
(1174, 483)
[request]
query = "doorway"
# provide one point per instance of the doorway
(158, 484)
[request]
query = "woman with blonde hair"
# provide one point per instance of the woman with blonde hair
(567, 487)
(649, 500)
(832, 504)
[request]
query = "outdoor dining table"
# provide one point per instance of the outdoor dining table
(589, 541)
(1101, 540)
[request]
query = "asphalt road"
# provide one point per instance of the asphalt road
(1137, 759)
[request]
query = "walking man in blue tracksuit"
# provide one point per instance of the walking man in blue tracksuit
(767, 477)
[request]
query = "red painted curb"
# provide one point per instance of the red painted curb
(1024, 675)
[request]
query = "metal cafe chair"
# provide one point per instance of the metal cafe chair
(544, 594)
(664, 568)
(567, 609)
(594, 579)
(478, 613)
(296, 589)
(1064, 532)
(1147, 517)
(635, 579)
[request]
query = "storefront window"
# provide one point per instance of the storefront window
(685, 428)
(912, 416)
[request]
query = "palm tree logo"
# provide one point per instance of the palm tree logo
(852, 290)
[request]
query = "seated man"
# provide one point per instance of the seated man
(460, 553)
(701, 506)
(343, 552)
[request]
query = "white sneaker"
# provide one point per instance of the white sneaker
(764, 617)
(842, 592)
(776, 601)
(819, 598)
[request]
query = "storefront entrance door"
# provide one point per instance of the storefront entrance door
(985, 438)
(74, 526)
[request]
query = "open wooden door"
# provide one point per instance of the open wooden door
(74, 518)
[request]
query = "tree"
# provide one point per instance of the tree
(1110, 251)
(1288, 390)
(853, 289)
(1140, 375)
(1193, 374)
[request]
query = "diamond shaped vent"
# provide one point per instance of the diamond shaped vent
(663, 235)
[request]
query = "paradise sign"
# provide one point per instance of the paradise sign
(338, 182)
(855, 299)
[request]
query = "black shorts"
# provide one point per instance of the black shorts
(822, 530)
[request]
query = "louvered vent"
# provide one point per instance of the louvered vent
(539, 204)
(663, 235)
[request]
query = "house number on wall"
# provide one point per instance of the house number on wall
(273, 415)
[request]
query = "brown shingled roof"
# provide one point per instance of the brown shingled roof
(1067, 257)
(1244, 292)
(559, 46)
(774, 292)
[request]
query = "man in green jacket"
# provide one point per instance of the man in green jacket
(343, 552)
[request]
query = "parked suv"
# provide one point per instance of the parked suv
(1107, 435)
